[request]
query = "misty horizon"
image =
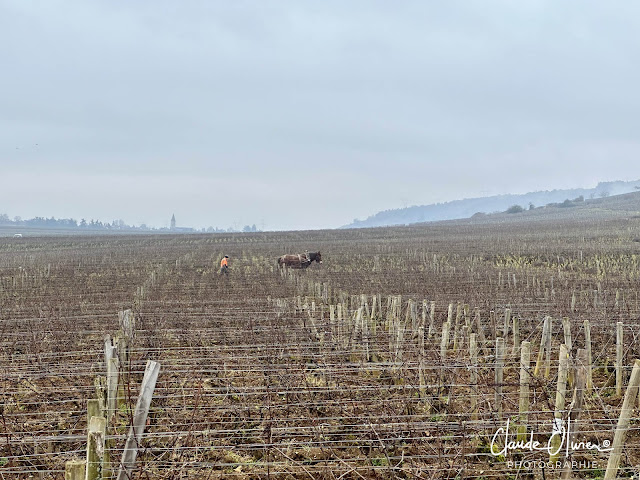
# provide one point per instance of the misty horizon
(602, 189)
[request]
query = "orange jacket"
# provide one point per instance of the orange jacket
(223, 263)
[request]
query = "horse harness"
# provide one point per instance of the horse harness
(307, 258)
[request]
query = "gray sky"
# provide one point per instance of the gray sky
(305, 114)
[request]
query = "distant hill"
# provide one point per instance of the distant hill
(612, 207)
(466, 208)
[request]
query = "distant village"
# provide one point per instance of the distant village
(174, 228)
(115, 225)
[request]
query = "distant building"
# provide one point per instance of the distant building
(173, 227)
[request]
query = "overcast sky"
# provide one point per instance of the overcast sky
(305, 114)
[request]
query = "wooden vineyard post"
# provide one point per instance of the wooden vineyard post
(374, 307)
(480, 331)
(121, 349)
(112, 388)
(467, 317)
(536, 370)
(456, 327)
(75, 470)
(398, 344)
(561, 394)
(374, 313)
(365, 336)
(354, 325)
(619, 357)
(464, 335)
(422, 354)
(473, 353)
(127, 323)
(444, 344)
(578, 397)
(576, 405)
(100, 383)
(393, 324)
(516, 336)
(566, 326)
(543, 343)
(547, 347)
(95, 448)
(122, 346)
(108, 350)
(391, 327)
(93, 409)
(499, 377)
(139, 420)
(587, 347)
(630, 398)
(523, 404)
(507, 321)
(113, 366)
(348, 324)
(492, 321)
(364, 304)
(340, 326)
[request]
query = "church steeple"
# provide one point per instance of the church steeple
(173, 221)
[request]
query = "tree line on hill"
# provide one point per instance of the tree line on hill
(566, 204)
(468, 207)
(115, 225)
(52, 222)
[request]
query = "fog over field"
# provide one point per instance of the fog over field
(296, 115)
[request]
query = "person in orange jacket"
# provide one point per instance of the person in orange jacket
(224, 265)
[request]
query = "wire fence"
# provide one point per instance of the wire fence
(332, 372)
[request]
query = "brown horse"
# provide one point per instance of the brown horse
(300, 260)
